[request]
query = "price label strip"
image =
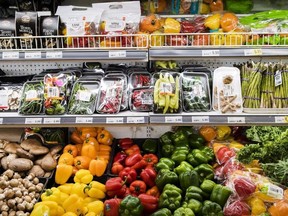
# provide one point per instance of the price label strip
(52, 120)
(281, 119)
(84, 120)
(200, 119)
(210, 52)
(136, 120)
(117, 54)
(10, 55)
(32, 55)
(117, 120)
(33, 120)
(1, 120)
(236, 120)
(173, 119)
(54, 55)
(253, 52)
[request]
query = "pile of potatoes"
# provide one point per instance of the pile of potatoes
(30, 156)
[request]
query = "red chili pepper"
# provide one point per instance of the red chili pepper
(133, 159)
(128, 175)
(224, 154)
(149, 203)
(176, 40)
(115, 187)
(111, 207)
(120, 157)
(148, 175)
(132, 150)
(151, 159)
(137, 187)
(140, 165)
(125, 143)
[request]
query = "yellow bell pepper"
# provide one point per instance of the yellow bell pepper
(40, 210)
(234, 39)
(63, 173)
(217, 39)
(96, 207)
(157, 39)
(257, 206)
(95, 190)
(91, 214)
(171, 25)
(66, 188)
(78, 189)
(236, 145)
(69, 214)
(83, 176)
(54, 208)
(54, 194)
(223, 132)
(213, 22)
(89, 200)
(74, 204)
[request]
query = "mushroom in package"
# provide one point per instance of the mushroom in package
(10, 97)
(54, 94)
(227, 97)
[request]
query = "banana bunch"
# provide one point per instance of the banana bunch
(166, 93)
(166, 64)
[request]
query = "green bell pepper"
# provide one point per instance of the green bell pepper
(211, 209)
(189, 178)
(183, 212)
(179, 155)
(207, 186)
(162, 212)
(180, 138)
(197, 157)
(183, 167)
(194, 205)
(196, 141)
(165, 163)
(165, 138)
(164, 177)
(205, 171)
(167, 150)
(208, 152)
(188, 130)
(194, 192)
(171, 199)
(150, 146)
(220, 194)
(172, 187)
(130, 206)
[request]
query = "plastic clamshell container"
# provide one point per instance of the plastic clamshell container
(139, 79)
(84, 97)
(141, 99)
(227, 96)
(195, 92)
(32, 98)
(110, 95)
(10, 96)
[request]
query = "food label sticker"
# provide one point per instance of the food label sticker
(278, 78)
(53, 92)
(33, 120)
(253, 52)
(54, 55)
(52, 120)
(166, 88)
(31, 95)
(84, 95)
(10, 55)
(32, 55)
(135, 120)
(116, 23)
(114, 120)
(200, 119)
(117, 54)
(4, 99)
(236, 120)
(275, 191)
(84, 120)
(210, 52)
(281, 119)
(147, 101)
(1, 120)
(173, 119)
(228, 90)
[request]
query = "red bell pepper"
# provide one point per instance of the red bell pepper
(132, 150)
(127, 192)
(111, 207)
(187, 27)
(224, 154)
(115, 187)
(244, 187)
(128, 175)
(133, 159)
(125, 143)
(137, 187)
(116, 168)
(149, 203)
(140, 165)
(177, 40)
(148, 175)
(237, 208)
(200, 40)
(154, 191)
(151, 159)
(120, 157)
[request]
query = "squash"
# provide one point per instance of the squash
(150, 23)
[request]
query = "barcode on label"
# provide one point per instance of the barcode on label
(33, 120)
(173, 119)
(166, 88)
(210, 52)
(252, 52)
(278, 78)
(114, 120)
(10, 55)
(32, 55)
(236, 119)
(135, 120)
(275, 191)
(84, 120)
(53, 92)
(54, 55)
(52, 120)
(117, 54)
(84, 95)
(200, 119)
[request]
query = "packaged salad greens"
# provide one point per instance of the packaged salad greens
(83, 98)
(32, 98)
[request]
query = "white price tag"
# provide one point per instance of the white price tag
(4, 99)
(200, 119)
(210, 52)
(281, 119)
(33, 120)
(1, 120)
(278, 78)
(275, 191)
(52, 120)
(84, 95)
(236, 120)
(84, 120)
(135, 120)
(10, 55)
(114, 120)
(173, 119)
(54, 55)
(32, 55)
(117, 54)
(253, 52)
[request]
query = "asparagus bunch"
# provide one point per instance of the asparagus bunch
(281, 90)
(268, 88)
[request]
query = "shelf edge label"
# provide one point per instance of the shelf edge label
(236, 120)
(10, 55)
(173, 119)
(210, 52)
(253, 52)
(116, 120)
(281, 119)
(33, 120)
(52, 120)
(1, 120)
(32, 55)
(54, 55)
(117, 54)
(200, 119)
(85, 120)
(136, 120)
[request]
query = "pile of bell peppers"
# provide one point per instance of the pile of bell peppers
(90, 151)
(133, 179)
(83, 197)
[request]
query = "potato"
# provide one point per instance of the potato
(6, 160)
(20, 164)
(24, 154)
(37, 171)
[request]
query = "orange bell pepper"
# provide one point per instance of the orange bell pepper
(105, 137)
(66, 158)
(71, 149)
(103, 154)
(79, 147)
(91, 141)
(82, 162)
(63, 173)
(133, 149)
(87, 132)
(105, 148)
(89, 151)
(75, 170)
(208, 133)
(75, 137)
(279, 208)
(97, 167)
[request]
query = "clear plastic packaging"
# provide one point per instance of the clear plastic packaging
(139, 79)
(83, 98)
(10, 97)
(141, 99)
